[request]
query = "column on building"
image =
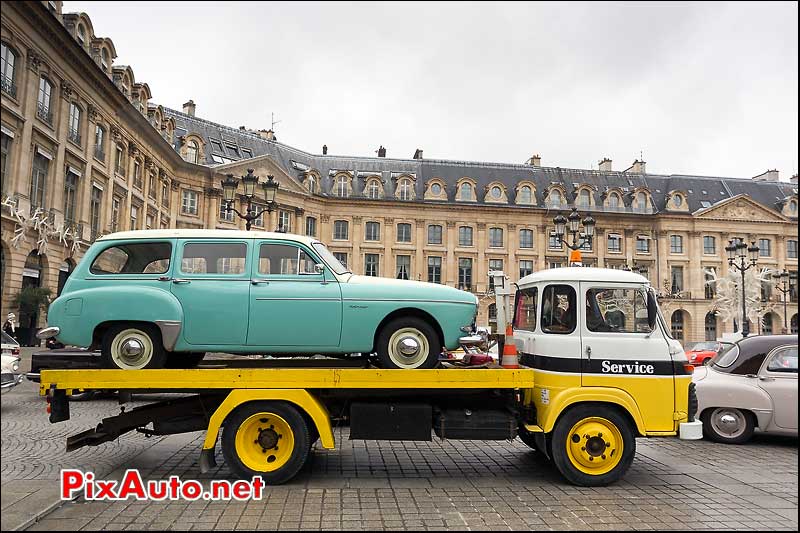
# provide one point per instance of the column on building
(325, 233)
(299, 227)
(540, 234)
(450, 274)
(661, 240)
(420, 272)
(28, 93)
(388, 240)
(212, 196)
(55, 194)
(481, 279)
(84, 202)
(357, 262)
(512, 243)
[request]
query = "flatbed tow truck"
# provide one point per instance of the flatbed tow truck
(582, 411)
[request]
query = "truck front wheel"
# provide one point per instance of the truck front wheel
(268, 439)
(593, 445)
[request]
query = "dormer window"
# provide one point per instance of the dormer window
(465, 191)
(192, 151)
(641, 201)
(525, 195)
(793, 208)
(437, 190)
(341, 187)
(373, 190)
(81, 36)
(584, 198)
(613, 200)
(311, 183)
(677, 200)
(105, 60)
(555, 198)
(496, 192)
(404, 191)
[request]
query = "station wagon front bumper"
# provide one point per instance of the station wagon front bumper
(47, 333)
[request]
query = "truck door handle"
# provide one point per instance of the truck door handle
(178, 280)
(259, 281)
(589, 353)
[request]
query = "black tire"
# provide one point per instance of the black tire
(713, 430)
(144, 333)
(299, 430)
(415, 327)
(584, 413)
(184, 359)
(527, 438)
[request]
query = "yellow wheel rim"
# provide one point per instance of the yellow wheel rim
(264, 442)
(594, 446)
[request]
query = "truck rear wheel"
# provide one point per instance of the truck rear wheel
(593, 445)
(268, 439)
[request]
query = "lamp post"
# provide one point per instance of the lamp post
(783, 279)
(740, 251)
(573, 223)
(249, 182)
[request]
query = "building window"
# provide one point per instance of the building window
(284, 221)
(404, 232)
(81, 36)
(465, 274)
(584, 198)
(164, 194)
(341, 186)
(371, 264)
(137, 175)
(764, 247)
(436, 189)
(134, 217)
(711, 326)
(677, 325)
(70, 193)
(709, 286)
(74, 133)
(709, 245)
(340, 230)
(99, 142)
(614, 243)
(311, 226)
(189, 203)
(8, 70)
(373, 190)
(259, 221)
(5, 151)
(496, 237)
(434, 234)
(494, 264)
(791, 249)
(119, 161)
(555, 199)
(341, 257)
(192, 152)
(525, 195)
(554, 242)
(526, 238)
(676, 244)
(465, 236)
(151, 185)
(311, 183)
(115, 207)
(793, 286)
(435, 269)
(677, 200)
(405, 190)
(677, 279)
(525, 268)
(96, 208)
(793, 208)
(224, 214)
(641, 202)
(39, 180)
(642, 244)
(403, 266)
(373, 231)
(44, 100)
(149, 222)
(613, 200)
(465, 191)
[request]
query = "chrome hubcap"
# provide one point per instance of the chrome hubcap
(132, 348)
(408, 346)
(728, 422)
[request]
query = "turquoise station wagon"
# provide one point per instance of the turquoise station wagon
(155, 298)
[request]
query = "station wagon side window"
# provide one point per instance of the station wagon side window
(284, 260)
(617, 310)
(559, 311)
(784, 361)
(525, 309)
(133, 258)
(214, 258)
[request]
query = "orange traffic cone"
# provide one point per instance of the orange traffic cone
(509, 359)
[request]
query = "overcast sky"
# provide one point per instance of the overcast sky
(705, 89)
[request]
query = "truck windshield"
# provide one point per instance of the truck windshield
(330, 259)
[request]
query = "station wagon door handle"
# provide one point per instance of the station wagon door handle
(177, 280)
(259, 282)
(766, 378)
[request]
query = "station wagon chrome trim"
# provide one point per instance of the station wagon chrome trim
(170, 329)
(406, 300)
(314, 299)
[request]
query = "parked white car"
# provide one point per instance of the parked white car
(11, 375)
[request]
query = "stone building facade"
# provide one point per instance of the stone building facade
(85, 152)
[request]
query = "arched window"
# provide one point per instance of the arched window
(711, 326)
(555, 198)
(8, 63)
(613, 200)
(584, 198)
(341, 186)
(766, 324)
(793, 208)
(192, 152)
(311, 181)
(641, 201)
(81, 35)
(404, 191)
(373, 190)
(44, 100)
(105, 59)
(677, 325)
(525, 195)
(465, 191)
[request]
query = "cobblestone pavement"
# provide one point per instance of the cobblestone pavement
(407, 485)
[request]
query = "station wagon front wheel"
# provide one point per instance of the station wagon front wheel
(132, 347)
(408, 342)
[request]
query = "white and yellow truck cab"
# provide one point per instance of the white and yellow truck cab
(597, 370)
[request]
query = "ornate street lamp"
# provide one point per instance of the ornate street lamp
(740, 251)
(573, 223)
(784, 287)
(249, 183)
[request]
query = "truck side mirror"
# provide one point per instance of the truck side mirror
(652, 310)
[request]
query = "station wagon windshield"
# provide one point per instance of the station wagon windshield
(330, 259)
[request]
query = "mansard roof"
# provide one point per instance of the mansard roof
(702, 191)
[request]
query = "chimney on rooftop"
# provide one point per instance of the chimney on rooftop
(418, 154)
(381, 151)
(535, 160)
(189, 108)
(269, 135)
(769, 175)
(638, 167)
(324, 149)
(793, 180)
(604, 165)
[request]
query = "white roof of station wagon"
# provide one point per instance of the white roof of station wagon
(205, 234)
(583, 274)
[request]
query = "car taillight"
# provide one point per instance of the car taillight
(688, 368)
(15, 351)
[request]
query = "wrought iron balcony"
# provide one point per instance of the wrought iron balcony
(8, 87)
(44, 113)
(74, 136)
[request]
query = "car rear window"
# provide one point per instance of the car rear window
(133, 258)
